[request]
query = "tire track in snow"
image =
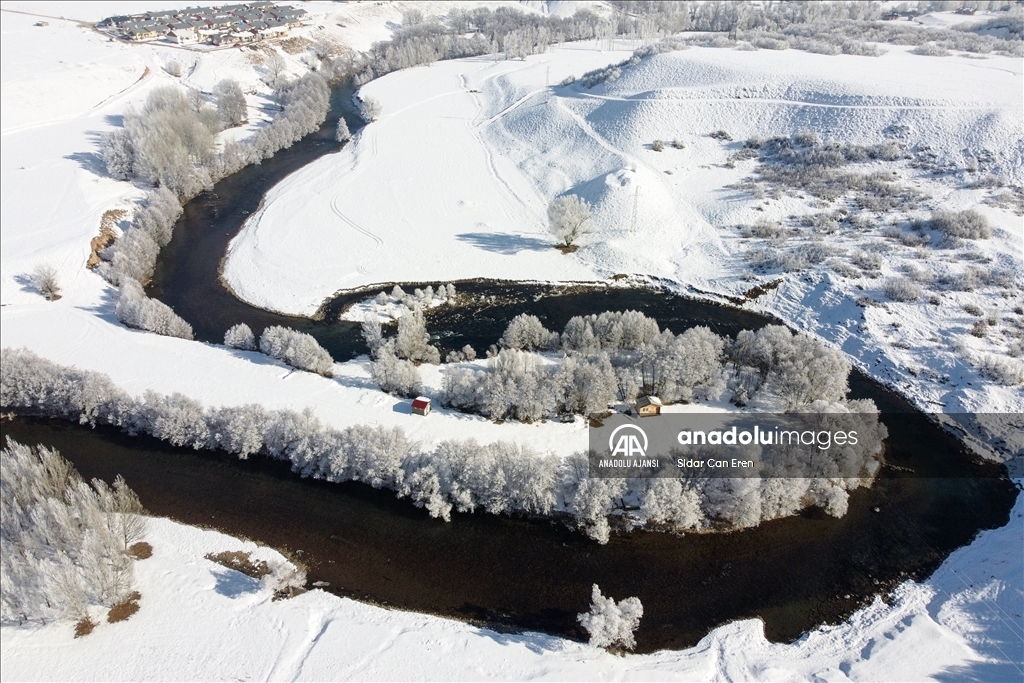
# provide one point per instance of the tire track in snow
(362, 267)
(289, 668)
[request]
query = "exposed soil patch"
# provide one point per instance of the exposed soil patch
(141, 550)
(84, 627)
(240, 562)
(124, 609)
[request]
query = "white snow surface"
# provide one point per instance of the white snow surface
(201, 621)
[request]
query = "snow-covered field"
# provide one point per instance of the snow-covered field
(460, 169)
(200, 621)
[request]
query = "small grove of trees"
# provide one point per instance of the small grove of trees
(137, 310)
(297, 349)
(394, 367)
(569, 219)
(171, 144)
(611, 624)
(64, 545)
(463, 475)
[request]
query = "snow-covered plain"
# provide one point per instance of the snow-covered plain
(62, 85)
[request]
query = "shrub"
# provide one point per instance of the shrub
(930, 50)
(902, 289)
(658, 145)
(720, 135)
(967, 224)
(124, 609)
(1005, 371)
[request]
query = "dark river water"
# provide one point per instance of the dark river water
(515, 573)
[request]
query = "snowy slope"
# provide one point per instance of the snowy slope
(963, 623)
(461, 179)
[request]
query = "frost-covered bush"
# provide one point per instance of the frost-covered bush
(297, 349)
(152, 228)
(1005, 371)
(902, 289)
(967, 224)
(135, 309)
(526, 332)
(369, 108)
(240, 337)
(611, 624)
(930, 50)
(63, 543)
(283, 578)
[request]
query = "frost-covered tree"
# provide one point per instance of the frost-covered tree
(395, 375)
(611, 624)
(569, 218)
(370, 108)
(240, 337)
(297, 349)
(341, 133)
(135, 309)
(413, 341)
(526, 332)
(797, 368)
(118, 153)
(45, 279)
(372, 334)
(585, 386)
(62, 542)
(231, 105)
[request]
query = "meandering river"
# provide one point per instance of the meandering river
(513, 573)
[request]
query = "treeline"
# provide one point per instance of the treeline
(65, 545)
(617, 356)
(462, 475)
(172, 141)
(297, 349)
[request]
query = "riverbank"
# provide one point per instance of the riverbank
(960, 623)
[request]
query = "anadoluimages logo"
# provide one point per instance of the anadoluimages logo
(628, 444)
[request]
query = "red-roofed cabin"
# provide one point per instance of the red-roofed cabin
(421, 405)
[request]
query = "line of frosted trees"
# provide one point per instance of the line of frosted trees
(457, 474)
(598, 360)
(171, 144)
(64, 543)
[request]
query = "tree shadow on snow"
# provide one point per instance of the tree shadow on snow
(504, 243)
(27, 282)
(91, 161)
(233, 584)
